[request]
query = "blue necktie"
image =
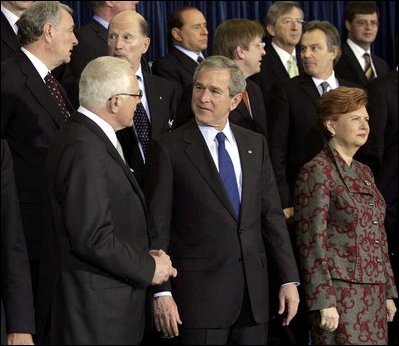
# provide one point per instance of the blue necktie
(226, 172)
(143, 127)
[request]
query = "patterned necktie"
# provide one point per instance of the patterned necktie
(324, 87)
(55, 92)
(143, 127)
(227, 174)
(292, 67)
(368, 69)
(200, 59)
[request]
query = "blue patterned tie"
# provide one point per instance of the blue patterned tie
(226, 172)
(143, 127)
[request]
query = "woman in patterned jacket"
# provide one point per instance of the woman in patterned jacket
(339, 215)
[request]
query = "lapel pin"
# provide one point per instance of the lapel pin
(160, 97)
(249, 151)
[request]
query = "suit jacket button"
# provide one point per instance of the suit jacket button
(375, 222)
(367, 183)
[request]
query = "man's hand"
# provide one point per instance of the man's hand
(329, 319)
(163, 267)
(288, 302)
(19, 339)
(166, 316)
(391, 310)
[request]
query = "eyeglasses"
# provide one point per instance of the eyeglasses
(290, 21)
(260, 45)
(363, 23)
(139, 95)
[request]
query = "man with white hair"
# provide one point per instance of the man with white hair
(96, 262)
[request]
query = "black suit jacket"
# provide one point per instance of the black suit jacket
(92, 39)
(294, 136)
(9, 41)
(383, 111)
(162, 96)
(192, 218)
(239, 116)
(30, 120)
(272, 71)
(17, 313)
(176, 66)
(348, 67)
(95, 265)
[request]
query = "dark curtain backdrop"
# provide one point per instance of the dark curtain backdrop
(156, 13)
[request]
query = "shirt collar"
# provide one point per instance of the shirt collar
(210, 132)
(107, 128)
(101, 21)
(357, 50)
(332, 81)
(283, 55)
(189, 53)
(39, 65)
(11, 18)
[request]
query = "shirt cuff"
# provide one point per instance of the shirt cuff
(161, 294)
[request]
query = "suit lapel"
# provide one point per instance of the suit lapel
(8, 35)
(36, 86)
(354, 64)
(186, 62)
(309, 87)
(99, 30)
(199, 155)
(248, 167)
(78, 117)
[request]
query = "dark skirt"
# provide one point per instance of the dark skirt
(362, 316)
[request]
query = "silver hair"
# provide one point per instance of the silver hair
(103, 77)
(219, 62)
(31, 23)
(279, 8)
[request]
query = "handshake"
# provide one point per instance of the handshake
(163, 267)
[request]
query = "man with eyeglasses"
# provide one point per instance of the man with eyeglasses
(357, 64)
(128, 39)
(96, 258)
(284, 21)
(241, 41)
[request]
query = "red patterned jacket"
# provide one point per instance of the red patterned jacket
(339, 215)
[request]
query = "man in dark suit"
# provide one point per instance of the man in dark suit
(129, 39)
(219, 236)
(10, 13)
(284, 22)
(96, 264)
(17, 315)
(188, 32)
(241, 41)
(383, 110)
(294, 136)
(93, 36)
(357, 64)
(31, 115)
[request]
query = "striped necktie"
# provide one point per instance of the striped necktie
(368, 69)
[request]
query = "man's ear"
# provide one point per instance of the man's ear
(235, 101)
(114, 104)
(176, 34)
(48, 31)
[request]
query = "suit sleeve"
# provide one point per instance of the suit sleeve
(15, 274)
(274, 228)
(278, 140)
(312, 199)
(82, 185)
(158, 190)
